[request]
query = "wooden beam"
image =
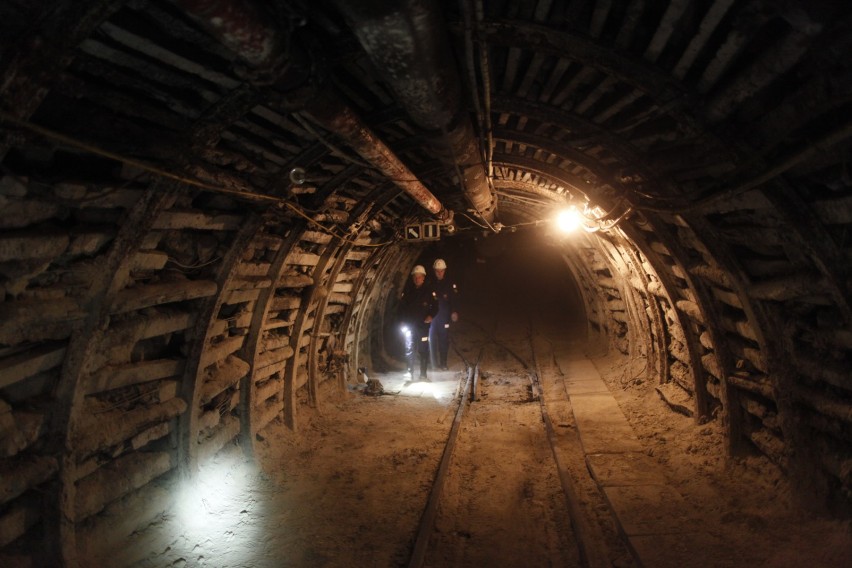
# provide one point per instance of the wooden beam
(117, 479)
(149, 295)
(22, 473)
(31, 362)
(119, 376)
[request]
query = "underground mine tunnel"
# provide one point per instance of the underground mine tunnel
(209, 209)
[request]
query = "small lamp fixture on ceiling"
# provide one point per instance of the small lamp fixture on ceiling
(300, 182)
(591, 219)
(298, 176)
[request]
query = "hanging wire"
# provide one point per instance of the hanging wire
(92, 149)
(329, 231)
(609, 226)
(195, 267)
(523, 198)
(477, 222)
(325, 142)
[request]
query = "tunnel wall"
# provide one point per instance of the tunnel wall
(147, 326)
(141, 334)
(156, 333)
(734, 146)
(712, 316)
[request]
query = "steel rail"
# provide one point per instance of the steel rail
(591, 546)
(427, 520)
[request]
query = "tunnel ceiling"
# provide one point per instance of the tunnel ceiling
(202, 207)
(665, 107)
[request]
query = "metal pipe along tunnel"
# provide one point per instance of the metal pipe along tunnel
(209, 210)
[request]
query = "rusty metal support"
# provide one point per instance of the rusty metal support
(408, 42)
(241, 27)
(244, 29)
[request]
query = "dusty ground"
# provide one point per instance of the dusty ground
(349, 488)
(746, 503)
(503, 505)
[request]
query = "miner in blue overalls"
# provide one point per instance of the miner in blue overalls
(447, 293)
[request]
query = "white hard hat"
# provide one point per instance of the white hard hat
(439, 264)
(418, 270)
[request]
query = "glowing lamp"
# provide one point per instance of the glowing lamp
(569, 220)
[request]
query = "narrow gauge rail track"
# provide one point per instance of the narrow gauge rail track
(565, 536)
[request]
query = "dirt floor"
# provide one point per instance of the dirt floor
(745, 502)
(350, 486)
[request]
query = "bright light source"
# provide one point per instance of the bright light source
(569, 220)
(219, 498)
(405, 331)
(211, 498)
(420, 388)
(219, 513)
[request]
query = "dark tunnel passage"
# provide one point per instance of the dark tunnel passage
(209, 209)
(512, 277)
(526, 273)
